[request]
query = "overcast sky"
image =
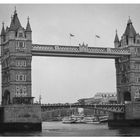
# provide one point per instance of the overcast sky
(69, 79)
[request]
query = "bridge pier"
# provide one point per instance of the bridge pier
(130, 117)
(19, 117)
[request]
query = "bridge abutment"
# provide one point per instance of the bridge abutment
(20, 117)
(130, 117)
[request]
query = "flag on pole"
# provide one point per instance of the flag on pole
(71, 35)
(97, 36)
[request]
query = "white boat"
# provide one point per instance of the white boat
(92, 120)
(68, 120)
(73, 119)
(79, 120)
(103, 118)
(82, 119)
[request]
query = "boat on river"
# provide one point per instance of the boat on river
(68, 120)
(103, 119)
(91, 120)
(85, 119)
(73, 119)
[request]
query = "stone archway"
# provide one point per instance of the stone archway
(127, 96)
(6, 98)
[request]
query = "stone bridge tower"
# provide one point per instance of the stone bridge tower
(16, 57)
(128, 68)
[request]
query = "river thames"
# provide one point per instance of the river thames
(58, 129)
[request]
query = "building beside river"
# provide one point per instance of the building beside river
(100, 97)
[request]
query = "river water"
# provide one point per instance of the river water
(58, 129)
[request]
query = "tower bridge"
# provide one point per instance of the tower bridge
(17, 50)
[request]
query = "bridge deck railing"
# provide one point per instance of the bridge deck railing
(80, 49)
(119, 108)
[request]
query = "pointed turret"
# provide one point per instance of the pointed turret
(3, 30)
(28, 27)
(130, 30)
(83, 44)
(28, 31)
(7, 29)
(15, 23)
(116, 37)
(2, 33)
(116, 40)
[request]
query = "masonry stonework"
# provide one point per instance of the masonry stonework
(16, 60)
(128, 67)
(18, 112)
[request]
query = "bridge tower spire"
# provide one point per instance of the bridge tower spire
(2, 33)
(16, 59)
(130, 33)
(28, 30)
(116, 41)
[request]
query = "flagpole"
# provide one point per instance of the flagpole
(96, 36)
(95, 40)
(70, 40)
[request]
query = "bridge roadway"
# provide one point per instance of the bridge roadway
(117, 108)
(78, 51)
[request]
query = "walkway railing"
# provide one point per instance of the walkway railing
(78, 51)
(118, 108)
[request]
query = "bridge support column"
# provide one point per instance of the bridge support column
(131, 116)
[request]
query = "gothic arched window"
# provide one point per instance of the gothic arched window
(20, 77)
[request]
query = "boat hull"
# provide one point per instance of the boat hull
(68, 122)
(92, 122)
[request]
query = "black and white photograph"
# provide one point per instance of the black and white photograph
(69, 70)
